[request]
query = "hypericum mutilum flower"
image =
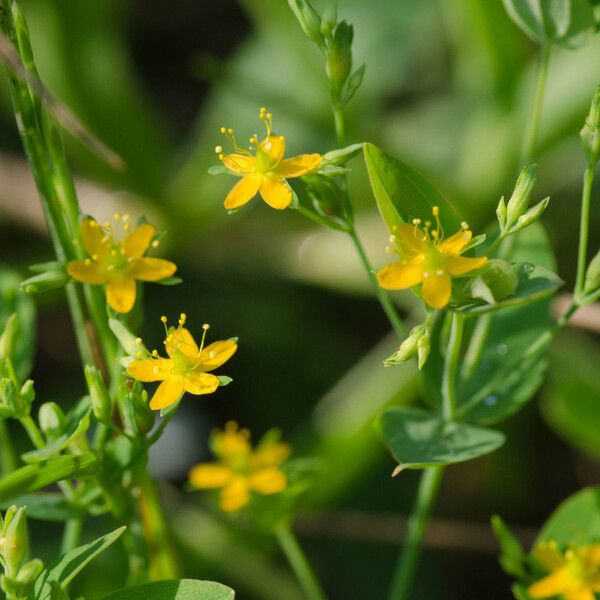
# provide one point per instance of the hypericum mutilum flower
(574, 575)
(428, 258)
(118, 264)
(240, 470)
(263, 169)
(186, 369)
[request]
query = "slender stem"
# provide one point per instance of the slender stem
(386, 304)
(451, 367)
(588, 180)
(340, 128)
(8, 459)
(35, 435)
(428, 490)
(534, 121)
(476, 347)
(71, 535)
(300, 565)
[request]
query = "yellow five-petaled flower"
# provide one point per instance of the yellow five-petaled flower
(186, 369)
(263, 169)
(118, 264)
(240, 470)
(428, 258)
(574, 575)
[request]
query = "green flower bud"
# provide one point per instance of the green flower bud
(590, 134)
(501, 214)
(14, 544)
(531, 216)
(500, 277)
(27, 394)
(592, 275)
(339, 58)
(424, 348)
(309, 21)
(137, 417)
(342, 155)
(52, 420)
(328, 20)
(408, 348)
(9, 396)
(101, 401)
(49, 280)
(521, 196)
(30, 571)
(8, 338)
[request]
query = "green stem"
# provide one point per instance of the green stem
(536, 113)
(476, 347)
(451, 368)
(588, 180)
(71, 535)
(300, 565)
(405, 570)
(35, 435)
(8, 459)
(386, 304)
(340, 128)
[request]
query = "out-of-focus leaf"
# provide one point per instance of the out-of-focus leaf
(576, 521)
(418, 439)
(512, 556)
(64, 569)
(402, 194)
(182, 589)
(46, 506)
(571, 400)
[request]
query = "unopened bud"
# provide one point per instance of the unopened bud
(501, 214)
(500, 279)
(329, 19)
(590, 134)
(424, 347)
(342, 155)
(8, 338)
(592, 275)
(52, 420)
(30, 571)
(309, 21)
(339, 58)
(27, 394)
(14, 541)
(521, 196)
(44, 282)
(408, 348)
(531, 216)
(101, 401)
(9, 396)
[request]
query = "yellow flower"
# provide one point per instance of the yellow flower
(574, 575)
(428, 258)
(186, 369)
(263, 169)
(241, 470)
(118, 264)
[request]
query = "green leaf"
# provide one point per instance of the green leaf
(576, 521)
(418, 439)
(535, 283)
(183, 589)
(173, 280)
(46, 472)
(402, 194)
(77, 422)
(46, 506)
(512, 556)
(567, 23)
(64, 569)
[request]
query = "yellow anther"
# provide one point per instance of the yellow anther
(392, 239)
(427, 223)
(262, 109)
(107, 225)
(416, 221)
(465, 225)
(94, 257)
(163, 319)
(230, 131)
(223, 130)
(434, 234)
(218, 149)
(117, 216)
(126, 226)
(155, 244)
(93, 223)
(155, 353)
(205, 326)
(87, 261)
(435, 211)
(221, 156)
(269, 116)
(139, 353)
(125, 218)
(138, 341)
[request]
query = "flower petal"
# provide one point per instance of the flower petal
(138, 241)
(167, 393)
(411, 240)
(200, 383)
(87, 271)
(95, 240)
(580, 594)
(436, 290)
(231, 442)
(239, 163)
(150, 369)
(556, 583)
(269, 455)
(274, 147)
(243, 191)
(268, 481)
(549, 556)
(152, 269)
(298, 165)
(455, 243)
(401, 275)
(120, 293)
(459, 265)
(209, 476)
(275, 191)
(181, 340)
(217, 353)
(235, 495)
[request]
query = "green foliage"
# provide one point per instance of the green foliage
(46, 506)
(183, 589)
(512, 556)
(418, 439)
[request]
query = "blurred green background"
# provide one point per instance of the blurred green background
(448, 88)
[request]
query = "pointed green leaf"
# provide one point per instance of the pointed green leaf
(183, 589)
